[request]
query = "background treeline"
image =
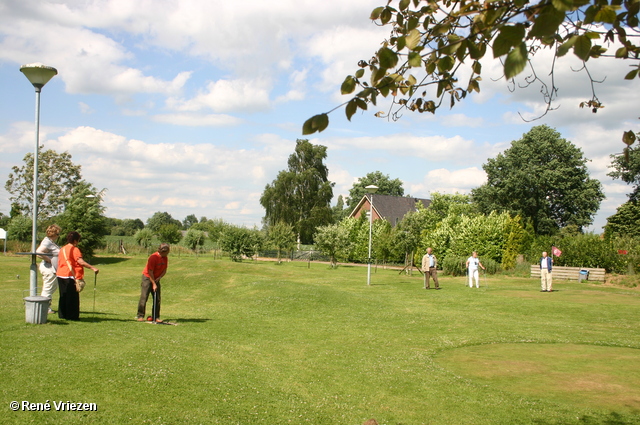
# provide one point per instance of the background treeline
(452, 225)
(538, 194)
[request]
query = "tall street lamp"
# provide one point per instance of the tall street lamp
(38, 75)
(371, 189)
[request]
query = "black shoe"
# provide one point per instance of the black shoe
(427, 288)
(438, 287)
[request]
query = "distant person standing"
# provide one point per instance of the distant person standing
(472, 266)
(429, 268)
(70, 270)
(49, 263)
(546, 264)
(154, 271)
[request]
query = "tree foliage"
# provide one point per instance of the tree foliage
(407, 233)
(159, 219)
(493, 236)
(126, 227)
(240, 242)
(625, 222)
(20, 228)
(300, 196)
(57, 178)
(626, 167)
(433, 55)
(339, 211)
(144, 237)
(544, 178)
(282, 237)
(358, 229)
(333, 240)
(84, 213)
(582, 250)
(213, 227)
(194, 239)
(189, 221)
(169, 233)
(386, 186)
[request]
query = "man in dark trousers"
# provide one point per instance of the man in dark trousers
(429, 268)
(154, 271)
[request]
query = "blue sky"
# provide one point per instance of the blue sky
(193, 106)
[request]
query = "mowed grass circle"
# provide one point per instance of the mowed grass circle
(581, 375)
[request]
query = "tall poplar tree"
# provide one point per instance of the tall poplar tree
(301, 195)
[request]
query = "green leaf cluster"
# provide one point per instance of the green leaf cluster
(433, 42)
(84, 214)
(281, 237)
(333, 240)
(194, 238)
(492, 236)
(240, 242)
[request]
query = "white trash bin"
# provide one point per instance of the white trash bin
(36, 309)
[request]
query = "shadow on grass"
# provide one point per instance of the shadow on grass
(87, 317)
(613, 418)
(108, 260)
(97, 317)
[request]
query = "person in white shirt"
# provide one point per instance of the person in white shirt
(472, 266)
(49, 263)
(546, 281)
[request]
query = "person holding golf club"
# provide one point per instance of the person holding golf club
(472, 266)
(430, 269)
(49, 264)
(154, 271)
(70, 272)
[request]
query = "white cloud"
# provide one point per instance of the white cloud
(198, 120)
(144, 178)
(85, 109)
(461, 120)
(227, 96)
(445, 181)
(432, 148)
(340, 49)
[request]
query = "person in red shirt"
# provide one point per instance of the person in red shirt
(154, 271)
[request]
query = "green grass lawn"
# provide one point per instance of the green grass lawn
(262, 343)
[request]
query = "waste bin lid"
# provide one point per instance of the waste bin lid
(37, 298)
(584, 271)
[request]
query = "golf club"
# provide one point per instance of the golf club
(485, 278)
(95, 281)
(153, 313)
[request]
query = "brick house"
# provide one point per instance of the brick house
(390, 208)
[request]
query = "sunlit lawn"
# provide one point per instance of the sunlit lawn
(258, 342)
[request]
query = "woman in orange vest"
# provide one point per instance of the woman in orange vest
(70, 271)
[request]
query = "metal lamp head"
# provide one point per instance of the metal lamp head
(38, 74)
(371, 188)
